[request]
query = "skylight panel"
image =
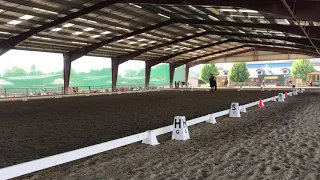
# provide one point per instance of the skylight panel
(77, 33)
(2, 32)
(14, 22)
(89, 29)
(229, 10)
(56, 29)
(248, 11)
(163, 15)
(137, 6)
(214, 18)
(95, 36)
(68, 25)
(76, 42)
(38, 9)
(26, 17)
(106, 32)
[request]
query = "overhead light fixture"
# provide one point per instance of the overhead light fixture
(151, 42)
(193, 7)
(2, 32)
(143, 44)
(132, 42)
(135, 5)
(95, 36)
(26, 17)
(229, 10)
(242, 31)
(258, 17)
(37, 37)
(248, 11)
(68, 25)
(123, 28)
(286, 21)
(131, 37)
(82, 19)
(141, 39)
(120, 40)
(14, 22)
(76, 42)
(38, 9)
(262, 31)
(235, 15)
(89, 29)
(1, 10)
(106, 32)
(56, 29)
(77, 33)
(163, 15)
(214, 18)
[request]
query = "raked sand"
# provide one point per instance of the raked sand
(280, 141)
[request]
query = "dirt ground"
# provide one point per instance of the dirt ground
(40, 128)
(280, 141)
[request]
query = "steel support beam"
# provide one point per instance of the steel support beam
(304, 10)
(172, 67)
(252, 47)
(77, 53)
(114, 69)
(10, 43)
(66, 72)
(186, 76)
(310, 50)
(297, 21)
(313, 31)
(147, 74)
(134, 54)
(301, 41)
(165, 58)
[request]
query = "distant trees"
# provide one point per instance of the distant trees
(207, 70)
(34, 71)
(239, 72)
(14, 72)
(301, 68)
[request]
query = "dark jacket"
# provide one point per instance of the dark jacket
(212, 82)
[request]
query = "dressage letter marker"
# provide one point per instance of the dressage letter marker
(180, 128)
(234, 110)
(281, 97)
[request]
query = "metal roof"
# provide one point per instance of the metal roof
(159, 31)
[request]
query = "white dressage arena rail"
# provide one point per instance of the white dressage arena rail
(51, 161)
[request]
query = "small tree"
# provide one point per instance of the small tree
(301, 68)
(239, 72)
(207, 70)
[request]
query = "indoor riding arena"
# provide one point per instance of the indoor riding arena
(147, 127)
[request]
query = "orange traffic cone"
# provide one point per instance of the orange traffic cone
(260, 105)
(286, 95)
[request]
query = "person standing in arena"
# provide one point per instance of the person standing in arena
(213, 83)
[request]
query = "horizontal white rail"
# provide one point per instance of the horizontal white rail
(40, 164)
(47, 162)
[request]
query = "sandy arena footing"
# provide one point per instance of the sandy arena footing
(280, 141)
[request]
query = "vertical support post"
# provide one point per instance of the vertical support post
(187, 73)
(147, 74)
(66, 71)
(114, 68)
(172, 68)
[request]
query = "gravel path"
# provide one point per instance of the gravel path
(280, 141)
